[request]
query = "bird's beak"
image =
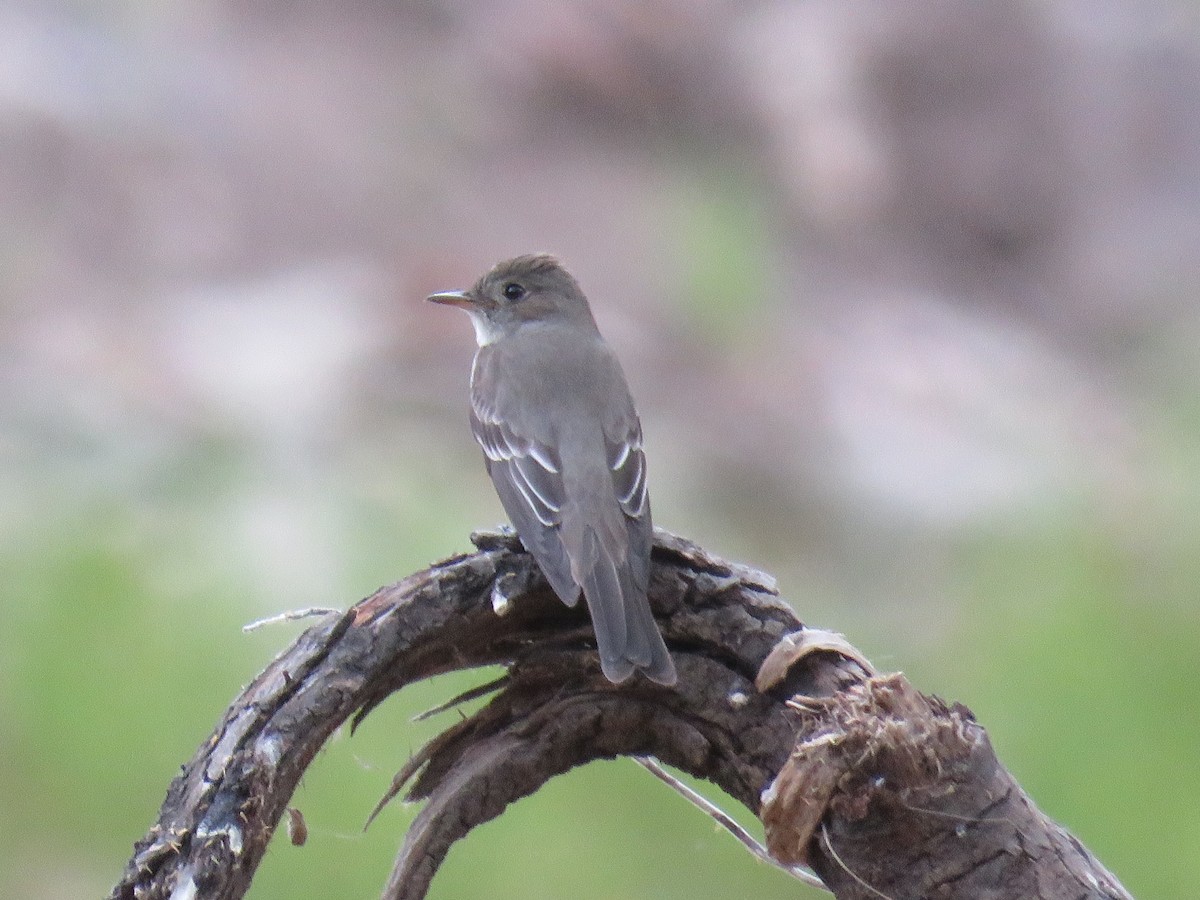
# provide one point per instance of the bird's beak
(461, 299)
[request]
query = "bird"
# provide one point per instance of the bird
(562, 444)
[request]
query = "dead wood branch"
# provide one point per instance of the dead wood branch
(882, 791)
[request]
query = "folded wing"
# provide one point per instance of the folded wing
(528, 480)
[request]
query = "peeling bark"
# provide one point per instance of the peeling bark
(882, 791)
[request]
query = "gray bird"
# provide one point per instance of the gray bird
(563, 446)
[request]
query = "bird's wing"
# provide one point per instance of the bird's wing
(627, 462)
(528, 479)
(643, 642)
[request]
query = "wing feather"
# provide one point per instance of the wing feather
(627, 462)
(528, 481)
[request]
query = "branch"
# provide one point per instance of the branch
(881, 791)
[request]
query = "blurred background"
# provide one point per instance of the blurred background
(906, 294)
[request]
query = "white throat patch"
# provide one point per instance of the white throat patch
(485, 332)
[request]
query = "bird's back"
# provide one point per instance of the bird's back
(547, 389)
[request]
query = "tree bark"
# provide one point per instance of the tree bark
(882, 791)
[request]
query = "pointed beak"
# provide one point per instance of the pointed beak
(461, 299)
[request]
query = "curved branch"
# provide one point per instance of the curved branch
(554, 710)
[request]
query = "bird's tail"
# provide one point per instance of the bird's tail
(626, 634)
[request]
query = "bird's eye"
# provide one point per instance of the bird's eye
(513, 291)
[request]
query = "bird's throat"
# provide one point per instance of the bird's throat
(485, 330)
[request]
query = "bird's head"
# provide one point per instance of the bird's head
(516, 292)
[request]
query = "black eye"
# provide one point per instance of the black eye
(513, 291)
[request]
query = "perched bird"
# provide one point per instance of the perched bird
(563, 446)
